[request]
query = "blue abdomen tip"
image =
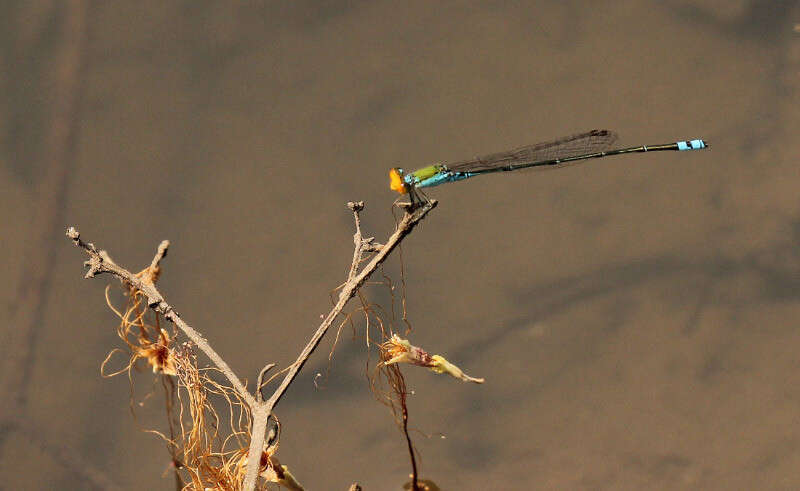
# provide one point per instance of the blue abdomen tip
(692, 145)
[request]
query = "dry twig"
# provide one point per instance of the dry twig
(364, 248)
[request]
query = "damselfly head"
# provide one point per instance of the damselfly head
(396, 180)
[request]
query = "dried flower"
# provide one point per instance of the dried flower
(398, 350)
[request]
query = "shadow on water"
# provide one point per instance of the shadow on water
(765, 20)
(772, 273)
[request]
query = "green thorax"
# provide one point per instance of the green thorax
(425, 173)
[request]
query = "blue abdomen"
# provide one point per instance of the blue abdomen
(443, 177)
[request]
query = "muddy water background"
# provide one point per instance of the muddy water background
(636, 319)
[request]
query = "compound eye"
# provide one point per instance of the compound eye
(396, 182)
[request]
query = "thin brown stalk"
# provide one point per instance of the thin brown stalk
(365, 249)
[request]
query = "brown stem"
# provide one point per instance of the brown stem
(354, 281)
(414, 485)
(100, 262)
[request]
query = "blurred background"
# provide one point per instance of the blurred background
(635, 318)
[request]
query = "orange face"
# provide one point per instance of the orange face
(396, 182)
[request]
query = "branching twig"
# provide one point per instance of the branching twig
(100, 262)
(355, 280)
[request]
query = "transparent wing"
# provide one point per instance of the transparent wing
(570, 146)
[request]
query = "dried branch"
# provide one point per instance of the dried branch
(364, 248)
(355, 280)
(100, 262)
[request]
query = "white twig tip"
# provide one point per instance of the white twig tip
(355, 205)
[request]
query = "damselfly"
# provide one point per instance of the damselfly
(557, 153)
